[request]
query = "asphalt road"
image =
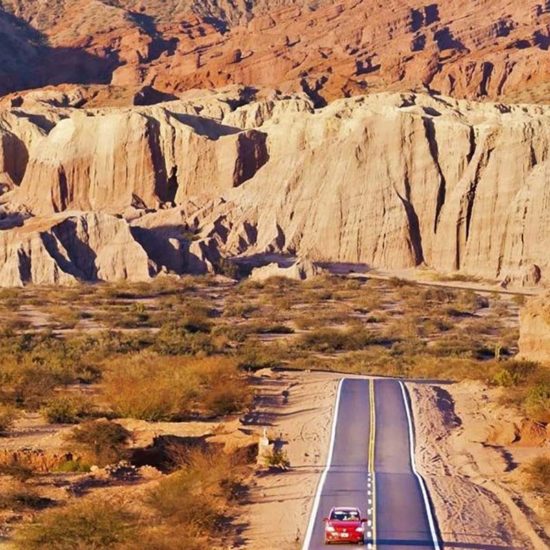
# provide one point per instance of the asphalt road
(371, 468)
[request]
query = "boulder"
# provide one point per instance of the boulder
(301, 270)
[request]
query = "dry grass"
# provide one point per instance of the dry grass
(154, 387)
(8, 414)
(87, 524)
(538, 478)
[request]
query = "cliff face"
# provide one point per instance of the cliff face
(68, 247)
(534, 341)
(329, 48)
(390, 180)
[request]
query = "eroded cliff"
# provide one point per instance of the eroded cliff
(389, 180)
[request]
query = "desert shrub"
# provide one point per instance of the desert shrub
(181, 499)
(276, 459)
(264, 327)
(461, 344)
(538, 476)
(16, 469)
(154, 387)
(196, 496)
(232, 332)
(8, 414)
(330, 340)
(191, 337)
(72, 466)
(34, 365)
(149, 387)
(87, 524)
(513, 373)
(66, 409)
(227, 397)
(537, 401)
(101, 442)
(20, 497)
(134, 316)
(519, 299)
(239, 309)
(168, 537)
(64, 317)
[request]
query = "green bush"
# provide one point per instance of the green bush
(514, 373)
(66, 410)
(73, 466)
(101, 442)
(89, 524)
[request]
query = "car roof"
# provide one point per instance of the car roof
(345, 508)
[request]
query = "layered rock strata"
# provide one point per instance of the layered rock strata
(389, 180)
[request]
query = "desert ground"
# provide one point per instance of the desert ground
(215, 366)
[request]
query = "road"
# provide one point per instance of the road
(370, 466)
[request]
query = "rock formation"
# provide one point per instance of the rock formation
(301, 270)
(389, 180)
(328, 48)
(534, 340)
(68, 247)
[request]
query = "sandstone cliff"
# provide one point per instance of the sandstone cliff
(68, 247)
(534, 341)
(389, 180)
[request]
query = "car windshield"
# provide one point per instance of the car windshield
(345, 515)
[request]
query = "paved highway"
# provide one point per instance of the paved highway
(370, 466)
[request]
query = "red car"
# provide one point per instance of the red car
(345, 525)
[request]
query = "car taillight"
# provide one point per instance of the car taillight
(330, 528)
(360, 529)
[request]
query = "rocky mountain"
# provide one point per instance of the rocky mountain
(484, 49)
(392, 180)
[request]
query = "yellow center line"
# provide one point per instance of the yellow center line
(372, 442)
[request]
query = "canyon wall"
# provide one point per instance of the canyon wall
(390, 180)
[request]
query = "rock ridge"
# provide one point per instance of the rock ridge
(390, 180)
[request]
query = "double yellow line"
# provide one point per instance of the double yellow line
(371, 472)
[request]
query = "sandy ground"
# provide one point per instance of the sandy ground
(470, 450)
(280, 503)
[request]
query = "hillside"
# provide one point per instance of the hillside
(482, 49)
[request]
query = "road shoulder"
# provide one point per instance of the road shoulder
(474, 480)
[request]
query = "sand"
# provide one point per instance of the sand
(465, 450)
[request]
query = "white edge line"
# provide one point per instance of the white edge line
(315, 508)
(421, 481)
